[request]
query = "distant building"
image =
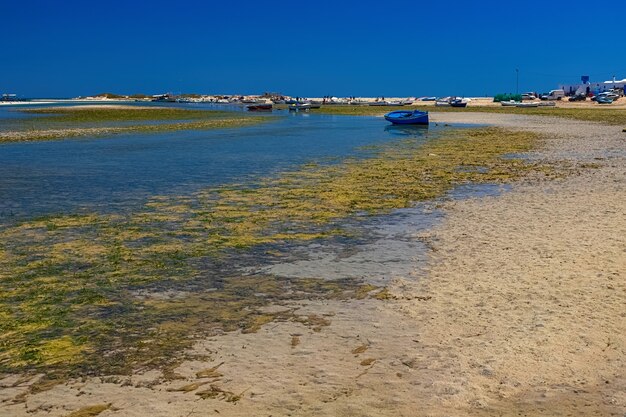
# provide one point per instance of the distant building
(587, 87)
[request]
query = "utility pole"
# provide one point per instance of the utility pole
(516, 80)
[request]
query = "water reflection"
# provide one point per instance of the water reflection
(407, 130)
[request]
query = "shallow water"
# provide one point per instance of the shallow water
(118, 172)
(171, 276)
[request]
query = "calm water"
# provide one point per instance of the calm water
(119, 172)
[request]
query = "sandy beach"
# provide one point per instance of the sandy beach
(517, 306)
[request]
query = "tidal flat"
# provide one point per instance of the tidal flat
(54, 123)
(96, 294)
(601, 115)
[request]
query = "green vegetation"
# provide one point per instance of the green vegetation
(106, 294)
(97, 114)
(602, 115)
(67, 122)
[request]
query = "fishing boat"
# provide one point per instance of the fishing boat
(407, 117)
(546, 104)
(259, 107)
(510, 103)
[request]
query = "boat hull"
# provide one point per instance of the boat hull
(300, 107)
(259, 107)
(407, 117)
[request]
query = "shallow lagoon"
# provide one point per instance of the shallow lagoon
(188, 256)
(117, 172)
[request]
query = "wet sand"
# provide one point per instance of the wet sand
(519, 308)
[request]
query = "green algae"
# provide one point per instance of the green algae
(601, 115)
(96, 294)
(72, 122)
(93, 114)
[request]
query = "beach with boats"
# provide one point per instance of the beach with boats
(268, 254)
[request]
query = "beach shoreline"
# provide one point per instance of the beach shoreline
(518, 311)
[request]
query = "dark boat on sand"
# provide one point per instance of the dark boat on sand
(259, 107)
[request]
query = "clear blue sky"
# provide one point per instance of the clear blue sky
(307, 48)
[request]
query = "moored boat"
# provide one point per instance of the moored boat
(407, 117)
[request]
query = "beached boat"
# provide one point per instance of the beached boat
(259, 107)
(300, 106)
(405, 117)
(527, 104)
(458, 103)
(546, 103)
(510, 103)
(386, 103)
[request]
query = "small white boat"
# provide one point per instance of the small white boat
(386, 103)
(300, 106)
(510, 103)
(527, 105)
(547, 104)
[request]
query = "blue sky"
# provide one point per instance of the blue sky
(306, 48)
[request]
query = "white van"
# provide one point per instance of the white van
(554, 95)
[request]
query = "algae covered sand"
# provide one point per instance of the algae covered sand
(602, 115)
(102, 294)
(80, 121)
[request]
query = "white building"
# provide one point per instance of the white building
(586, 87)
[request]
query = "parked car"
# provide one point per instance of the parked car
(606, 95)
(578, 97)
(528, 96)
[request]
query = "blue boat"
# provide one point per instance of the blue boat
(407, 117)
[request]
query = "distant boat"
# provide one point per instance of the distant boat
(301, 106)
(386, 103)
(546, 104)
(259, 107)
(510, 103)
(406, 117)
(527, 104)
(443, 101)
(458, 103)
